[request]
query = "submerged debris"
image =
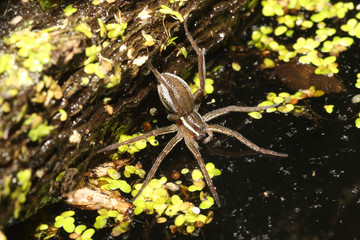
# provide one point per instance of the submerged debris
(301, 76)
(94, 199)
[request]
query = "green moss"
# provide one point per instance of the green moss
(23, 178)
(34, 46)
(40, 131)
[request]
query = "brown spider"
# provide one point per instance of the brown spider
(176, 96)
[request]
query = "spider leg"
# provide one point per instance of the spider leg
(156, 132)
(193, 146)
(177, 138)
(201, 66)
(241, 138)
(225, 110)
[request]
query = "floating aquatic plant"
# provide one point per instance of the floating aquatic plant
(322, 10)
(209, 89)
(187, 212)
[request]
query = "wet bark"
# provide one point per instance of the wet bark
(96, 114)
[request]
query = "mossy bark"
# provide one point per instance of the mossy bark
(90, 123)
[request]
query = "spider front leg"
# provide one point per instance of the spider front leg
(226, 110)
(156, 132)
(158, 160)
(241, 138)
(193, 146)
(198, 95)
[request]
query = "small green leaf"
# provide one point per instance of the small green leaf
(357, 122)
(140, 144)
(67, 214)
(329, 108)
(179, 220)
(166, 10)
(85, 29)
(102, 27)
(280, 30)
(42, 227)
(63, 115)
(69, 10)
(125, 187)
(113, 185)
(79, 229)
(236, 66)
(196, 175)
(69, 226)
(113, 213)
(113, 173)
(184, 171)
(24, 176)
(184, 52)
(207, 203)
(88, 233)
(176, 200)
(100, 222)
(255, 115)
(190, 218)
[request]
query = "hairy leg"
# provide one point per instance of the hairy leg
(156, 132)
(158, 160)
(226, 110)
(194, 148)
(241, 138)
(198, 95)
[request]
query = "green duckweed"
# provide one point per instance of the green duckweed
(329, 108)
(209, 89)
(357, 84)
(357, 122)
(66, 221)
(80, 229)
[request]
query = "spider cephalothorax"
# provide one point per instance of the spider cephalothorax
(176, 96)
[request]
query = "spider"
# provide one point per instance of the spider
(177, 98)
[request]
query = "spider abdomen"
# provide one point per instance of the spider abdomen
(175, 94)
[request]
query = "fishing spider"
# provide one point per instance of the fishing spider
(177, 98)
